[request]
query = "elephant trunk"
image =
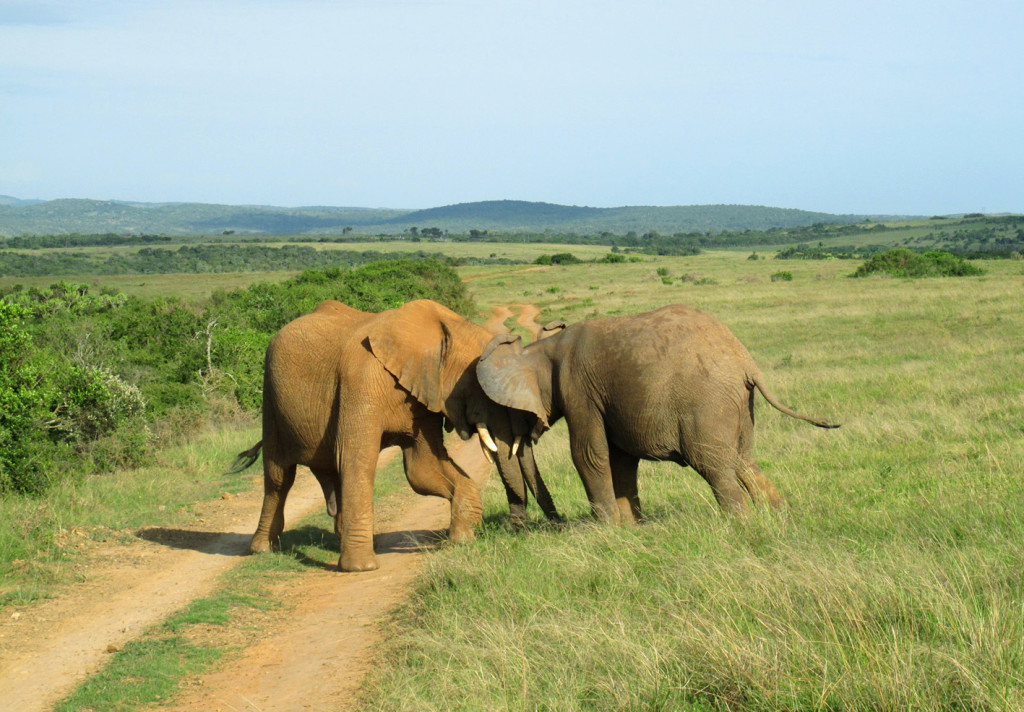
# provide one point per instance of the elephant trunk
(535, 482)
(508, 468)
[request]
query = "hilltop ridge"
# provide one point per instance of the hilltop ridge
(86, 216)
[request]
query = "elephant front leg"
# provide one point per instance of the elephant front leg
(431, 471)
(354, 523)
(589, 446)
(277, 481)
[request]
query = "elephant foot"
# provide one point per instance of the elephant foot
(262, 545)
(357, 562)
(517, 516)
(461, 533)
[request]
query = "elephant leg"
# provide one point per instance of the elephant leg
(588, 444)
(277, 481)
(759, 487)
(718, 464)
(354, 524)
(624, 480)
(430, 471)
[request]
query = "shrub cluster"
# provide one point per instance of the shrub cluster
(86, 378)
(901, 262)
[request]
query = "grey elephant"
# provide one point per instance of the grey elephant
(671, 384)
(339, 385)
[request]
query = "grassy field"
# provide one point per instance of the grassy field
(892, 582)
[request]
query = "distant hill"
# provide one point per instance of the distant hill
(8, 200)
(65, 216)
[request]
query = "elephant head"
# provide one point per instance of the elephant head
(432, 352)
(520, 378)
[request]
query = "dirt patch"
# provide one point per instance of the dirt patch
(527, 318)
(506, 274)
(317, 659)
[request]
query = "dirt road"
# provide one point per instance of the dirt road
(46, 650)
(315, 662)
(527, 318)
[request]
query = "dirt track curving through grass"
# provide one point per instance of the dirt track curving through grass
(527, 318)
(315, 661)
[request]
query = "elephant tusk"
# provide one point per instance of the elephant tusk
(485, 436)
(487, 454)
(515, 445)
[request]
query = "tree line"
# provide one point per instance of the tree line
(198, 259)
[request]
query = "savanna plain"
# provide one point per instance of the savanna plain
(894, 579)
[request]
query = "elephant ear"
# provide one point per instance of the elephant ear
(427, 347)
(507, 378)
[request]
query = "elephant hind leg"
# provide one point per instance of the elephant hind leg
(277, 481)
(759, 487)
(718, 464)
(624, 481)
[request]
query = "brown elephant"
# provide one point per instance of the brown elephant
(339, 385)
(671, 384)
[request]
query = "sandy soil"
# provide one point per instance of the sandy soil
(315, 660)
(526, 318)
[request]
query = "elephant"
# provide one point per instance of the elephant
(671, 384)
(339, 385)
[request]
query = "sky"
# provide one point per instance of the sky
(906, 107)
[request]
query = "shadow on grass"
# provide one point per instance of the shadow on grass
(310, 545)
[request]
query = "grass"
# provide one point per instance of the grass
(893, 581)
(41, 539)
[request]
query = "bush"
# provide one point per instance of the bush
(86, 380)
(782, 276)
(562, 258)
(902, 262)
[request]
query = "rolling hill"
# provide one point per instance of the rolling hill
(65, 216)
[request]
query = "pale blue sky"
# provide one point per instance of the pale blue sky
(901, 106)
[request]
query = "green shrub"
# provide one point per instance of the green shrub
(782, 277)
(902, 262)
(561, 258)
(87, 379)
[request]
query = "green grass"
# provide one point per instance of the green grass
(41, 538)
(892, 582)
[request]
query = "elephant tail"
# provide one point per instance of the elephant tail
(757, 380)
(245, 459)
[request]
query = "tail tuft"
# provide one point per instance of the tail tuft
(245, 459)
